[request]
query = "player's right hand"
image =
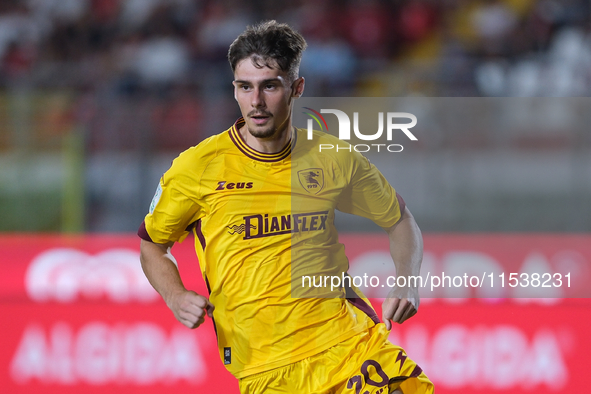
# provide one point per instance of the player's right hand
(190, 308)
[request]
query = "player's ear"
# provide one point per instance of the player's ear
(298, 87)
(234, 84)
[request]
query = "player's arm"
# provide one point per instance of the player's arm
(161, 270)
(406, 249)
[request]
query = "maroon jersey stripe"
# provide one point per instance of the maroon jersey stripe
(143, 233)
(254, 154)
(360, 303)
(200, 233)
(401, 203)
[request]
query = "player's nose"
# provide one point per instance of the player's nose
(257, 99)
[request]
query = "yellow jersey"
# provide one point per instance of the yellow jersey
(262, 222)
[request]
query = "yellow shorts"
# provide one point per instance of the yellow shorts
(364, 364)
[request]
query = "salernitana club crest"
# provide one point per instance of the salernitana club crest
(312, 180)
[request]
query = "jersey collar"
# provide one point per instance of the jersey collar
(255, 154)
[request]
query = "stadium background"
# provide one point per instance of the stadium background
(98, 96)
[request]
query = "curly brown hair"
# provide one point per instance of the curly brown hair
(269, 44)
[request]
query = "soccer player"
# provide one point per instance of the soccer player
(260, 200)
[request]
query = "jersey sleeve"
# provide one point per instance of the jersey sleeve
(369, 194)
(174, 209)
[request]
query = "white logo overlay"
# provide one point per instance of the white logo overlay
(345, 130)
(64, 274)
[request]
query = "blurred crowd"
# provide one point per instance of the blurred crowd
(136, 72)
(356, 47)
(118, 87)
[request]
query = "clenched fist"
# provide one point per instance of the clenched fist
(400, 305)
(190, 308)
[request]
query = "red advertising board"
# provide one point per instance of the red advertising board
(79, 316)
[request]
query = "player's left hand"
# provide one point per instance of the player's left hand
(401, 304)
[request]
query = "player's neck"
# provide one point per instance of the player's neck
(272, 144)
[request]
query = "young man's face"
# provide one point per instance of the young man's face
(264, 96)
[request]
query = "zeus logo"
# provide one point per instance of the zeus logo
(345, 124)
(223, 185)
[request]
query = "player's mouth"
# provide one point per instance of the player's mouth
(260, 119)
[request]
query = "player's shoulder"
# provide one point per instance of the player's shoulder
(206, 150)
(198, 157)
(319, 137)
(328, 147)
(312, 141)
